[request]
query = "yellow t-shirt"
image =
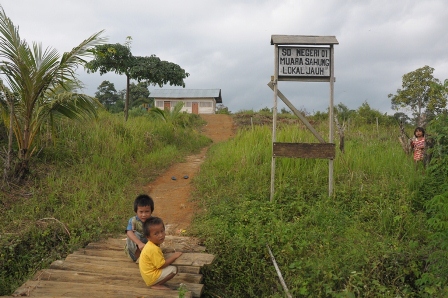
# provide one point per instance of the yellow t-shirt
(151, 259)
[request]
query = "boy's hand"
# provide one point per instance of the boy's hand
(176, 254)
(141, 245)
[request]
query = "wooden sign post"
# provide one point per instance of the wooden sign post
(307, 59)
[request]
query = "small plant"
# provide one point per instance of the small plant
(182, 290)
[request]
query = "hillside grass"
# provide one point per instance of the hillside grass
(369, 239)
(366, 240)
(83, 185)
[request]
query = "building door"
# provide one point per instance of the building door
(195, 108)
(167, 105)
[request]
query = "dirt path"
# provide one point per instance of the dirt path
(171, 196)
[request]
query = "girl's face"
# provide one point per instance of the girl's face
(418, 133)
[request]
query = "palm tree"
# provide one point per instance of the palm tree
(43, 83)
(166, 115)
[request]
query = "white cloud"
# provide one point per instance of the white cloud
(226, 44)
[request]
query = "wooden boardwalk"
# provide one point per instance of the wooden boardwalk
(103, 270)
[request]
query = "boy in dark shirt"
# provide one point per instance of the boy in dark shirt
(136, 240)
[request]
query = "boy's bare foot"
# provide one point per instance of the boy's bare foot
(160, 287)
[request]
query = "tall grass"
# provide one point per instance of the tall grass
(83, 188)
(365, 241)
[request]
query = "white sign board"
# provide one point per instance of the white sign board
(304, 62)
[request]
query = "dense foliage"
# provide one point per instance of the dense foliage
(371, 239)
(82, 187)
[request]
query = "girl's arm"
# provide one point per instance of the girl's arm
(171, 259)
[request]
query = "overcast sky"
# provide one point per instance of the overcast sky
(226, 44)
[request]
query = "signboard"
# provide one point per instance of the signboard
(304, 62)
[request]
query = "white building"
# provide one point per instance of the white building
(196, 101)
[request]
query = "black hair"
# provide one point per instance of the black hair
(152, 221)
(419, 129)
(142, 201)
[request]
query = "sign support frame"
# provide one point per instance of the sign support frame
(296, 40)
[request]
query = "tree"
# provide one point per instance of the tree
(107, 94)
(139, 94)
(43, 83)
(343, 112)
(420, 91)
(118, 58)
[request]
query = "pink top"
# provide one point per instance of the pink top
(419, 146)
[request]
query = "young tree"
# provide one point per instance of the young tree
(43, 83)
(420, 91)
(107, 94)
(118, 58)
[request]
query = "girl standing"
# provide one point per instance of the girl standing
(418, 144)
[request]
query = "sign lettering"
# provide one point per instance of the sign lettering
(304, 62)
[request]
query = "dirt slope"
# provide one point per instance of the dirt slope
(171, 196)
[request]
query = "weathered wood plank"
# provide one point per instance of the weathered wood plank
(108, 261)
(112, 270)
(193, 259)
(102, 253)
(44, 288)
(131, 281)
(186, 259)
(304, 150)
(102, 269)
(122, 263)
(172, 243)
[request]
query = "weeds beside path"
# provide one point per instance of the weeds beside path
(171, 197)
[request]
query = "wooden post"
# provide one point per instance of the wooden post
(274, 119)
(331, 123)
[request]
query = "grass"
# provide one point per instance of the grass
(83, 186)
(365, 241)
(371, 239)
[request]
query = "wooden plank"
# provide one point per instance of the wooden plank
(130, 281)
(122, 263)
(192, 259)
(102, 253)
(304, 150)
(112, 270)
(172, 243)
(103, 269)
(45, 288)
(108, 261)
(186, 259)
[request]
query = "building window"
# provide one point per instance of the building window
(159, 104)
(205, 104)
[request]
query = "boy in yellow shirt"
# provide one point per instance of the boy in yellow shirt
(155, 270)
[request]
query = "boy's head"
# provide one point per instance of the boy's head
(420, 129)
(154, 230)
(143, 207)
